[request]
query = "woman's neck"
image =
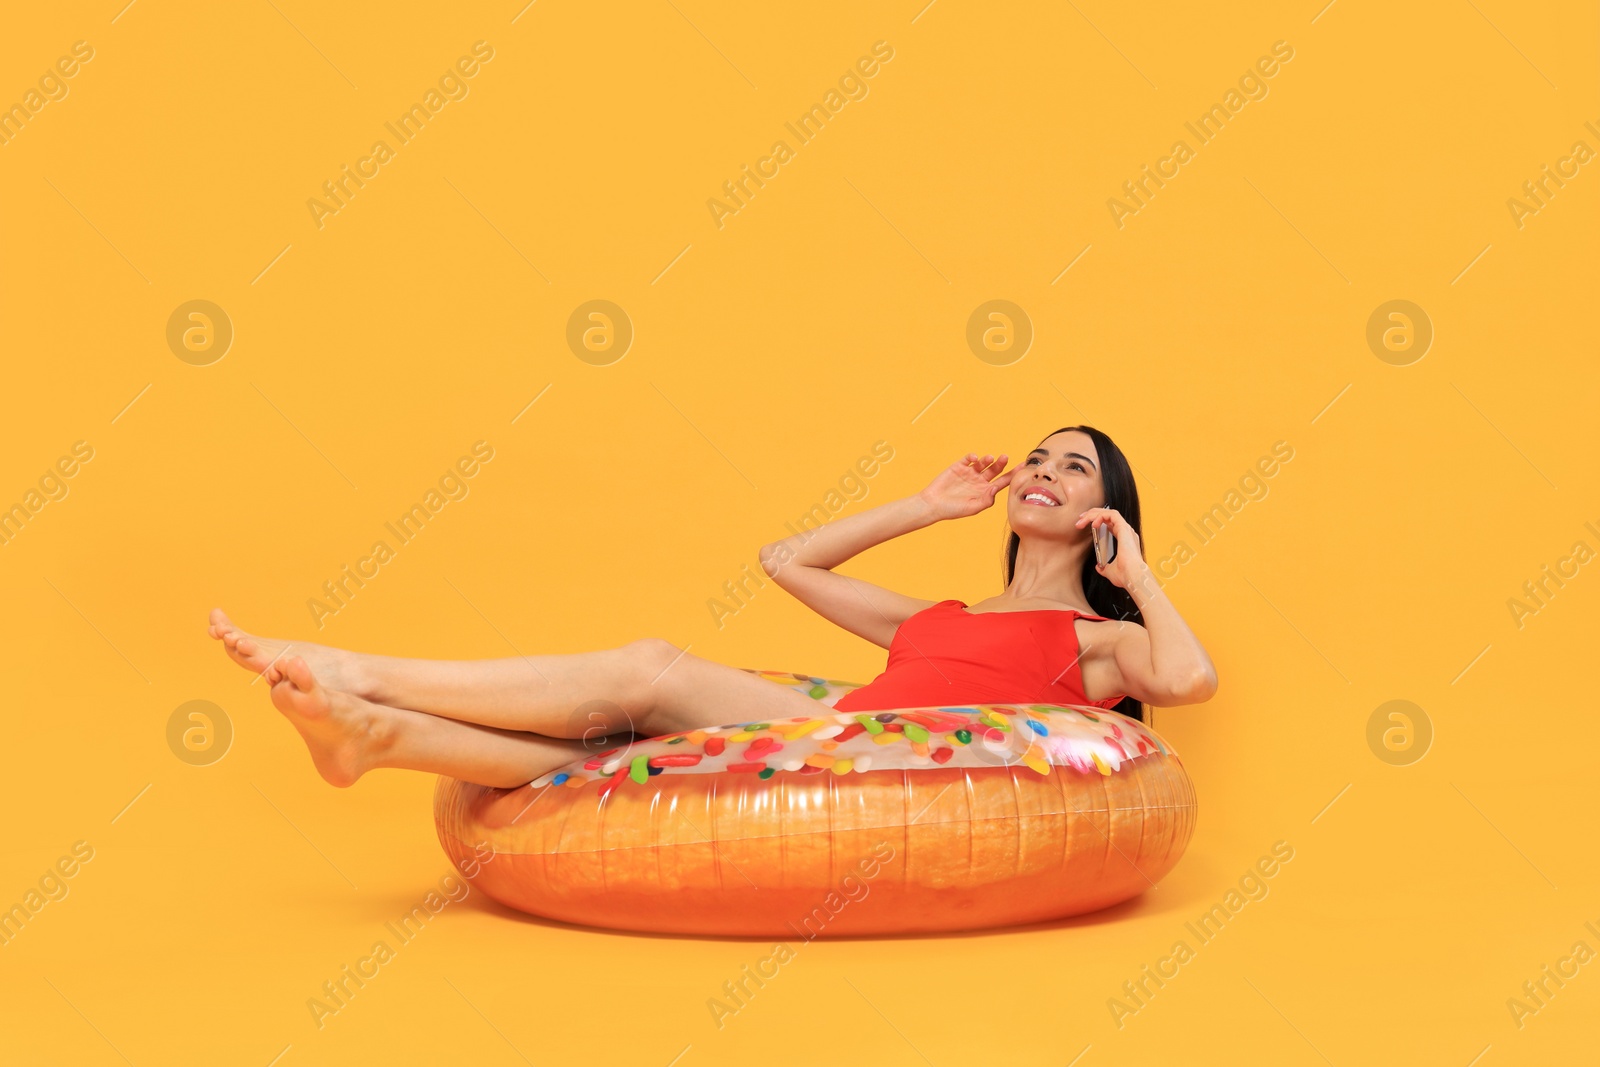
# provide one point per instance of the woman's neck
(1051, 572)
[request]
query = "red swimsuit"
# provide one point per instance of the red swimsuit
(946, 655)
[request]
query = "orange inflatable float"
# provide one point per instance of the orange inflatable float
(918, 819)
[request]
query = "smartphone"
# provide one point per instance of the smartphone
(1105, 545)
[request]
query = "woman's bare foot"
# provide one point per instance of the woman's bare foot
(334, 667)
(346, 735)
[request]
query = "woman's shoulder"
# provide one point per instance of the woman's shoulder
(1111, 635)
(1089, 616)
(1112, 624)
(1072, 616)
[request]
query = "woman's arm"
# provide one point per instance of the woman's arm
(1161, 663)
(803, 563)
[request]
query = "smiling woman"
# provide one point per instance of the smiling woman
(1096, 635)
(1018, 684)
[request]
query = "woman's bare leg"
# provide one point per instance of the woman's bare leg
(349, 736)
(647, 686)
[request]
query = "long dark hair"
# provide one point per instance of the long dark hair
(1122, 495)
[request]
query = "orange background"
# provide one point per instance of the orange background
(830, 312)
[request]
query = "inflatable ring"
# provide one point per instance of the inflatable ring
(918, 819)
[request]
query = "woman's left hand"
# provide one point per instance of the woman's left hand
(1128, 568)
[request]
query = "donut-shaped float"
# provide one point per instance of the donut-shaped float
(918, 819)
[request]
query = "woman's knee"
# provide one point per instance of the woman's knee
(653, 650)
(652, 656)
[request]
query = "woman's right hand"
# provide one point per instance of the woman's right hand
(967, 486)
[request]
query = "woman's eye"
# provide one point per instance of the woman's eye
(1075, 467)
(1032, 460)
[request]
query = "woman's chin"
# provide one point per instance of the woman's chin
(1037, 517)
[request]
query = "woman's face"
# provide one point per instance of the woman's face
(1064, 468)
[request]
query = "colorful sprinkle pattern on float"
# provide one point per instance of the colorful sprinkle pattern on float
(1038, 737)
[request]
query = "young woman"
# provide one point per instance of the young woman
(1065, 630)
